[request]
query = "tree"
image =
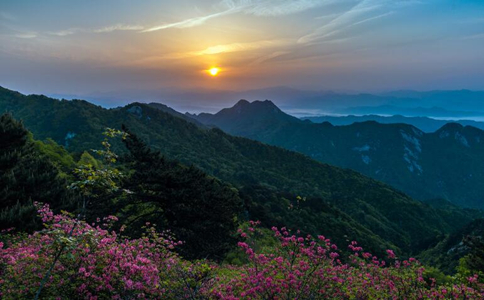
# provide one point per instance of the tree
(475, 258)
(98, 184)
(200, 210)
(26, 175)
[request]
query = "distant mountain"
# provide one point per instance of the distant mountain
(448, 163)
(434, 111)
(423, 123)
(341, 203)
(306, 102)
(247, 118)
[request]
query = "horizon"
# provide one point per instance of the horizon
(367, 46)
(295, 112)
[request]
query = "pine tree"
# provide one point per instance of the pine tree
(475, 258)
(200, 210)
(26, 176)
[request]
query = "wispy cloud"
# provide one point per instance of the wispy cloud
(107, 29)
(119, 27)
(261, 8)
(345, 19)
(27, 35)
(284, 7)
(192, 22)
(268, 57)
(362, 12)
(65, 32)
(235, 47)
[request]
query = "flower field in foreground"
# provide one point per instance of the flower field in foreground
(72, 259)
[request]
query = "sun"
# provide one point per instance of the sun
(213, 71)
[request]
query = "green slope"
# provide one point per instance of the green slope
(387, 213)
(448, 163)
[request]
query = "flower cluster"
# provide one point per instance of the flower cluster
(96, 263)
(91, 261)
(302, 267)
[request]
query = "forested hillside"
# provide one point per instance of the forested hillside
(446, 164)
(388, 214)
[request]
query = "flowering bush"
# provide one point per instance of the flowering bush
(91, 261)
(306, 268)
(96, 263)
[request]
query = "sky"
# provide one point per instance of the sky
(91, 47)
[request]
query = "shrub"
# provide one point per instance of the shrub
(306, 268)
(73, 259)
(92, 261)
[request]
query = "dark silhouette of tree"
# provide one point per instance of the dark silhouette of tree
(475, 259)
(200, 210)
(26, 176)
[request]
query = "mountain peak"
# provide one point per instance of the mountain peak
(242, 102)
(257, 106)
(244, 115)
(452, 127)
(265, 103)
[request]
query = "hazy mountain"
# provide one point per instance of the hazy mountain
(423, 123)
(409, 111)
(448, 163)
(247, 118)
(455, 104)
(341, 203)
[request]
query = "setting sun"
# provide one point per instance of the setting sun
(214, 71)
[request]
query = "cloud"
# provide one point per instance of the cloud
(119, 27)
(66, 32)
(362, 12)
(345, 19)
(235, 47)
(28, 35)
(192, 22)
(260, 8)
(268, 57)
(107, 29)
(285, 7)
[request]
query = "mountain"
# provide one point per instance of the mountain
(245, 118)
(433, 111)
(381, 212)
(302, 102)
(448, 163)
(423, 123)
(172, 112)
(446, 254)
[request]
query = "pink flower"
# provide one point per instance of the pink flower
(391, 254)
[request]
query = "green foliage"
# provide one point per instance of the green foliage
(57, 154)
(311, 215)
(446, 163)
(199, 209)
(97, 184)
(385, 213)
(26, 175)
(432, 273)
(87, 159)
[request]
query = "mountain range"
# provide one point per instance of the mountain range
(447, 163)
(425, 124)
(341, 203)
(449, 104)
